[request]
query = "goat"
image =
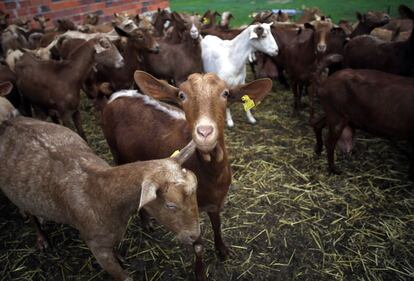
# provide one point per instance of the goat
(161, 20)
(54, 85)
(303, 52)
(7, 110)
(181, 49)
(13, 38)
(49, 172)
(4, 20)
(368, 52)
(137, 43)
(164, 128)
(375, 101)
(225, 20)
(228, 59)
(368, 22)
(209, 20)
(6, 75)
(309, 15)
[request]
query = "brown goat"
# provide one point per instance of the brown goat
(49, 172)
(182, 49)
(371, 100)
(160, 19)
(54, 86)
(162, 129)
(4, 20)
(368, 52)
(306, 49)
(137, 43)
(368, 22)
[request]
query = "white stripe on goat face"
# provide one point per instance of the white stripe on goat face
(194, 31)
(128, 25)
(261, 39)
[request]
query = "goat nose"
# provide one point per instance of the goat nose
(322, 47)
(157, 49)
(194, 237)
(205, 130)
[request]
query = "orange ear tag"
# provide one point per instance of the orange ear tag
(206, 21)
(248, 103)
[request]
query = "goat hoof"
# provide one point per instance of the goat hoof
(222, 252)
(42, 244)
(252, 121)
(334, 171)
(318, 150)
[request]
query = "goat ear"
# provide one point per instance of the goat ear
(256, 90)
(309, 26)
(148, 193)
(5, 88)
(155, 88)
(120, 31)
(253, 34)
(404, 11)
(106, 88)
(359, 16)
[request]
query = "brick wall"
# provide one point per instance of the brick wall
(76, 9)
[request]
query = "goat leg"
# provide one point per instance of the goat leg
(229, 119)
(199, 267)
(41, 240)
(250, 117)
(296, 96)
(221, 248)
(411, 171)
(318, 126)
(335, 131)
(77, 121)
(108, 261)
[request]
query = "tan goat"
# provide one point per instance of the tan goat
(53, 174)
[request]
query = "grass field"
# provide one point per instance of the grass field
(344, 9)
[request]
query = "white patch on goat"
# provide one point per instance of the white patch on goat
(167, 24)
(194, 31)
(171, 111)
(12, 57)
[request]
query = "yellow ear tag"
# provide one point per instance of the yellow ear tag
(248, 103)
(206, 21)
(175, 153)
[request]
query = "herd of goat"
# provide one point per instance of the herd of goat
(188, 69)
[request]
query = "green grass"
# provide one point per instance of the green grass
(343, 9)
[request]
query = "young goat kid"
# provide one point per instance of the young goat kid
(138, 127)
(48, 171)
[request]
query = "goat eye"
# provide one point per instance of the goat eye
(182, 96)
(170, 206)
(226, 94)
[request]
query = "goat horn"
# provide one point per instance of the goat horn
(186, 152)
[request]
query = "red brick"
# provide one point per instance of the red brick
(73, 9)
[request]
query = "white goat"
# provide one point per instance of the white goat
(227, 58)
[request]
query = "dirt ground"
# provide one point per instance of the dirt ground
(285, 217)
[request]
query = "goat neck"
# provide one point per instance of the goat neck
(81, 61)
(241, 48)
